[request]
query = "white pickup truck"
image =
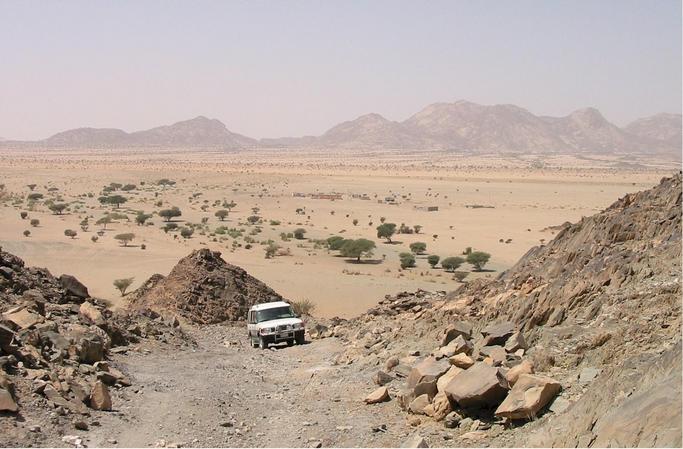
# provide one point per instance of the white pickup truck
(274, 322)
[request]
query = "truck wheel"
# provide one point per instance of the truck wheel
(300, 339)
(290, 342)
(254, 343)
(262, 343)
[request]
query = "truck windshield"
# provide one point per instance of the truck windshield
(275, 313)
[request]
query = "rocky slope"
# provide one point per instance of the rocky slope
(589, 323)
(55, 346)
(203, 288)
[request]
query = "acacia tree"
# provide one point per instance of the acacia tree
(222, 214)
(125, 239)
(478, 259)
(123, 284)
(70, 233)
(386, 231)
(452, 263)
(418, 247)
(168, 214)
(433, 260)
(57, 208)
(104, 221)
(357, 248)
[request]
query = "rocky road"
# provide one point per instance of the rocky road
(224, 393)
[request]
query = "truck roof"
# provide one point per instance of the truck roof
(269, 305)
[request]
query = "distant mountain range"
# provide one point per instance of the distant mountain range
(459, 126)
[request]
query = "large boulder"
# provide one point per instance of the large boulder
(529, 395)
(73, 286)
(481, 385)
(458, 328)
(496, 354)
(525, 367)
(439, 408)
(516, 342)
(427, 370)
(498, 333)
(446, 378)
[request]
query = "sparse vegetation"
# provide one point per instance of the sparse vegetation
(386, 231)
(357, 248)
(407, 260)
(70, 233)
(123, 284)
(125, 238)
(452, 263)
(433, 260)
(478, 259)
(418, 247)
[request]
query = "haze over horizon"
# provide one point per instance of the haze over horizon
(270, 70)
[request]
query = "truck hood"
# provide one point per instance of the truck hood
(279, 322)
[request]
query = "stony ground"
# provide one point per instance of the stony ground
(224, 393)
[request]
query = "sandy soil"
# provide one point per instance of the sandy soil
(525, 195)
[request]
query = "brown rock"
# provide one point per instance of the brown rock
(91, 313)
(99, 397)
(480, 385)
(525, 367)
(459, 328)
(427, 370)
(461, 360)
(415, 441)
(418, 404)
(439, 408)
(22, 318)
(7, 403)
(446, 378)
(498, 333)
(516, 342)
(381, 378)
(73, 286)
(529, 395)
(496, 353)
(391, 363)
(379, 395)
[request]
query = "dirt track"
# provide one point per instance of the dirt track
(224, 393)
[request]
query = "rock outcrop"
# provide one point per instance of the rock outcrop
(203, 289)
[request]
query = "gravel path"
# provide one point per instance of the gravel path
(224, 393)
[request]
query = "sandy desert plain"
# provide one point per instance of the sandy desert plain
(524, 195)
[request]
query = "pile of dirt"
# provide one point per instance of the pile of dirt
(204, 289)
(599, 311)
(55, 345)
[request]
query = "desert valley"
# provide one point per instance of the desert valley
(317, 224)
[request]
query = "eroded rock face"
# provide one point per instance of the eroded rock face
(528, 396)
(481, 385)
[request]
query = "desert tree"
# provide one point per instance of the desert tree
(70, 233)
(433, 260)
(186, 233)
(23, 215)
(478, 259)
(125, 238)
(335, 242)
(407, 260)
(357, 248)
(104, 221)
(452, 263)
(27, 233)
(222, 214)
(299, 233)
(417, 228)
(386, 231)
(57, 208)
(169, 214)
(142, 217)
(31, 186)
(418, 247)
(34, 222)
(123, 284)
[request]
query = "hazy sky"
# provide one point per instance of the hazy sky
(281, 68)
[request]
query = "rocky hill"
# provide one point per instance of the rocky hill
(467, 126)
(55, 347)
(199, 132)
(204, 289)
(459, 126)
(660, 127)
(589, 324)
